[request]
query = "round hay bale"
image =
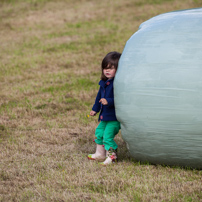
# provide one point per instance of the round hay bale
(158, 90)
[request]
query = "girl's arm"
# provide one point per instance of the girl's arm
(93, 113)
(107, 101)
(97, 105)
(103, 101)
(110, 102)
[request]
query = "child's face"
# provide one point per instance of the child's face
(110, 72)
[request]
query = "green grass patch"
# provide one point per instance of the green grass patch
(49, 72)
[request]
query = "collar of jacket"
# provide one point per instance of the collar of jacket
(106, 83)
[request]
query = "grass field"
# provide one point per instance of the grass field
(50, 57)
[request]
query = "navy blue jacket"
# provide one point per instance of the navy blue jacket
(107, 112)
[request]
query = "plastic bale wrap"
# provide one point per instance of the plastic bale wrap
(158, 90)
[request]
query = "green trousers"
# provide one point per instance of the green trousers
(105, 133)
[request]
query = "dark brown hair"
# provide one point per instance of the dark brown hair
(110, 60)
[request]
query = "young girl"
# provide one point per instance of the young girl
(104, 103)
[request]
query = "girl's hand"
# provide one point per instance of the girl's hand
(93, 113)
(103, 101)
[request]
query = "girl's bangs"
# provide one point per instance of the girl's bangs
(109, 65)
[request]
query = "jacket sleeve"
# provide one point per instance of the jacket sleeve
(97, 105)
(110, 102)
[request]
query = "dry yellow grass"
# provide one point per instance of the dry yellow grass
(49, 70)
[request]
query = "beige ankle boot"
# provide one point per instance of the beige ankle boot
(111, 157)
(99, 155)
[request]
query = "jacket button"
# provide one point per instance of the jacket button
(101, 117)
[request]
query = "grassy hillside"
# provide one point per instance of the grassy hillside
(50, 57)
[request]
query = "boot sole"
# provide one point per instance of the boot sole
(100, 160)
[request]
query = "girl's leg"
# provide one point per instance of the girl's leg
(111, 131)
(99, 132)
(100, 153)
(111, 157)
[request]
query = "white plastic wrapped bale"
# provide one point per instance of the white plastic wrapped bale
(158, 90)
